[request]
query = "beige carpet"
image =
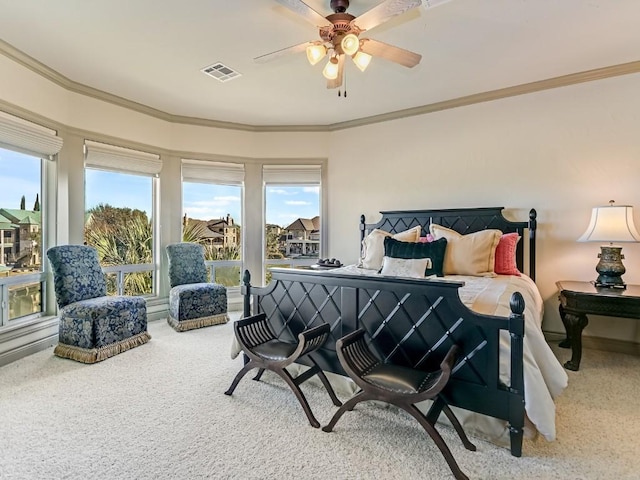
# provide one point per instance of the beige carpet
(158, 411)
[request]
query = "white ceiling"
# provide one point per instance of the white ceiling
(152, 51)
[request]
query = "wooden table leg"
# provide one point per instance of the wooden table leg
(575, 323)
(566, 343)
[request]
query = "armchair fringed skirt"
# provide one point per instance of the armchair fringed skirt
(197, 305)
(93, 330)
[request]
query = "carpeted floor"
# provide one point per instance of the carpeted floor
(158, 412)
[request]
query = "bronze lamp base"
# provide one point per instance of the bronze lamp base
(610, 268)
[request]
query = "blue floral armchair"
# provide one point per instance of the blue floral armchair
(194, 302)
(93, 326)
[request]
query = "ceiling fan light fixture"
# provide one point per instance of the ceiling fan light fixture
(330, 71)
(315, 53)
(361, 60)
(350, 44)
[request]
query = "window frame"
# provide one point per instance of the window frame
(292, 175)
(219, 173)
(124, 161)
(47, 174)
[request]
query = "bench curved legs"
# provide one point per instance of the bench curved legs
(293, 384)
(249, 366)
(424, 421)
(438, 440)
(347, 407)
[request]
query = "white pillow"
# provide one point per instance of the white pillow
(471, 254)
(373, 245)
(405, 267)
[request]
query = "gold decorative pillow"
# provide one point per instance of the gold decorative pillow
(373, 245)
(471, 254)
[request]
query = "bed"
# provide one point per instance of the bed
(506, 375)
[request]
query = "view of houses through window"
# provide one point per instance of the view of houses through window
(21, 248)
(119, 224)
(212, 200)
(292, 230)
(212, 215)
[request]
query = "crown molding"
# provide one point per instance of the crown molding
(522, 89)
(50, 74)
(556, 82)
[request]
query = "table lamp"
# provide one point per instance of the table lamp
(611, 223)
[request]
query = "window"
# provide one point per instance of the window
(24, 161)
(292, 215)
(120, 199)
(212, 209)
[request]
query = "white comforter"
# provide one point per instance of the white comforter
(544, 376)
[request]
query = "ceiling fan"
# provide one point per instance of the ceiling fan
(340, 35)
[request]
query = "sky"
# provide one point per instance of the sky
(20, 175)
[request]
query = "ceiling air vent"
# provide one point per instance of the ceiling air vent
(221, 72)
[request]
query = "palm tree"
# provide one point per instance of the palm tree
(192, 232)
(122, 237)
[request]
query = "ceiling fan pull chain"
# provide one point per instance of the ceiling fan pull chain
(345, 86)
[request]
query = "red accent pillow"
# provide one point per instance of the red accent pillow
(506, 255)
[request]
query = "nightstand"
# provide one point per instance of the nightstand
(578, 299)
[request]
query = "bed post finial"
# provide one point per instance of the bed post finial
(516, 303)
(533, 226)
(533, 222)
(246, 292)
(363, 227)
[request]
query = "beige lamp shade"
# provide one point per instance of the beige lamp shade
(611, 223)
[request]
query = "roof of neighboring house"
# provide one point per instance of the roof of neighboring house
(308, 224)
(19, 216)
(30, 220)
(204, 231)
(6, 223)
(220, 222)
(217, 221)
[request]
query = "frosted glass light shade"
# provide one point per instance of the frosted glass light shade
(350, 44)
(315, 53)
(612, 223)
(362, 60)
(330, 71)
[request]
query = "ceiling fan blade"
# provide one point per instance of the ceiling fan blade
(434, 3)
(337, 82)
(383, 12)
(285, 51)
(304, 10)
(389, 52)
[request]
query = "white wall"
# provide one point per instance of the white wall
(560, 151)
